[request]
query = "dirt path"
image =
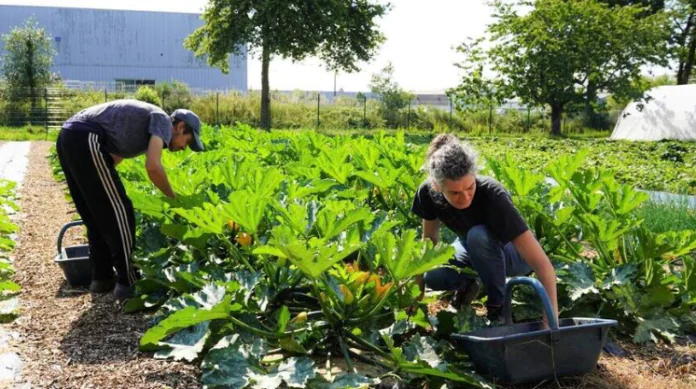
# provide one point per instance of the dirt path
(72, 339)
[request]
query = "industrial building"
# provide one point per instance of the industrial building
(124, 49)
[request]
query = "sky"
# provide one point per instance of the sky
(421, 40)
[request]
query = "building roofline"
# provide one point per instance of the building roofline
(99, 9)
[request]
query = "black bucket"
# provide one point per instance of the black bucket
(74, 260)
(519, 353)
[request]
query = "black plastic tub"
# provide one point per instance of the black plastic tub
(74, 260)
(527, 352)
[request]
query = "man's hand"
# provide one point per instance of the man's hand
(153, 165)
(117, 159)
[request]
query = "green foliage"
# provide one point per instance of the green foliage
(148, 95)
(609, 263)
(334, 252)
(561, 51)
(392, 98)
(289, 287)
(340, 33)
(27, 60)
(7, 229)
(174, 95)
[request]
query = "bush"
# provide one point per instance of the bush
(148, 95)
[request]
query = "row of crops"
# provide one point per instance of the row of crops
(285, 251)
(8, 288)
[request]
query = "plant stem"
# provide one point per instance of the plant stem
(237, 254)
(368, 360)
(346, 356)
(269, 334)
(368, 345)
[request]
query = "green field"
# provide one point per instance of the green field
(258, 240)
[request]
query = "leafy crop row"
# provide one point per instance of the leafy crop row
(284, 251)
(7, 228)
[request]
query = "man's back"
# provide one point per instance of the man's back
(126, 124)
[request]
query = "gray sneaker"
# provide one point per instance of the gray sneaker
(102, 286)
(124, 292)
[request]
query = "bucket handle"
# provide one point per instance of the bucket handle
(65, 228)
(539, 288)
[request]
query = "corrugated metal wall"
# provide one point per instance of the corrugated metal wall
(106, 45)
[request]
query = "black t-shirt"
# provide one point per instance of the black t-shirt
(491, 206)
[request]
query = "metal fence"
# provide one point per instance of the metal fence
(50, 107)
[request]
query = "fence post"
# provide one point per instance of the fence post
(490, 119)
(46, 111)
(318, 102)
(529, 123)
(217, 108)
(365, 111)
(450, 116)
(408, 118)
(106, 96)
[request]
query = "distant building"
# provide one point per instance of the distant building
(124, 49)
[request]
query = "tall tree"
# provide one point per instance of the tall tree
(593, 119)
(652, 6)
(27, 60)
(683, 40)
(340, 32)
(392, 97)
(548, 54)
(476, 90)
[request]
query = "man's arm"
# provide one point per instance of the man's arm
(153, 165)
(531, 252)
(431, 230)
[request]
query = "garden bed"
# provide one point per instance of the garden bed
(73, 339)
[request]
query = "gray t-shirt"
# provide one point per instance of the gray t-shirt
(127, 125)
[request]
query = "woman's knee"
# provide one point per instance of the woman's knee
(479, 238)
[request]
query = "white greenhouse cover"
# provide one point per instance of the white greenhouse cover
(665, 112)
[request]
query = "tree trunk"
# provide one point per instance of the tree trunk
(683, 78)
(31, 78)
(686, 64)
(556, 113)
(265, 92)
(590, 98)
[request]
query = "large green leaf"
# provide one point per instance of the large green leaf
(665, 326)
(330, 224)
(406, 256)
(681, 242)
(184, 318)
(295, 372)
(422, 349)
(185, 344)
(207, 217)
(620, 275)
(579, 278)
(246, 209)
(9, 286)
(264, 182)
(623, 198)
(230, 364)
(423, 369)
(381, 177)
(315, 256)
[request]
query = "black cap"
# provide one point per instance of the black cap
(191, 120)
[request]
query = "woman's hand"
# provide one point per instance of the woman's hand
(531, 252)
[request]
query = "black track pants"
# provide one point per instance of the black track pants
(101, 201)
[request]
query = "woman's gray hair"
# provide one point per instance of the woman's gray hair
(449, 158)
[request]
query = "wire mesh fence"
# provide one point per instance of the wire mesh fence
(50, 107)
